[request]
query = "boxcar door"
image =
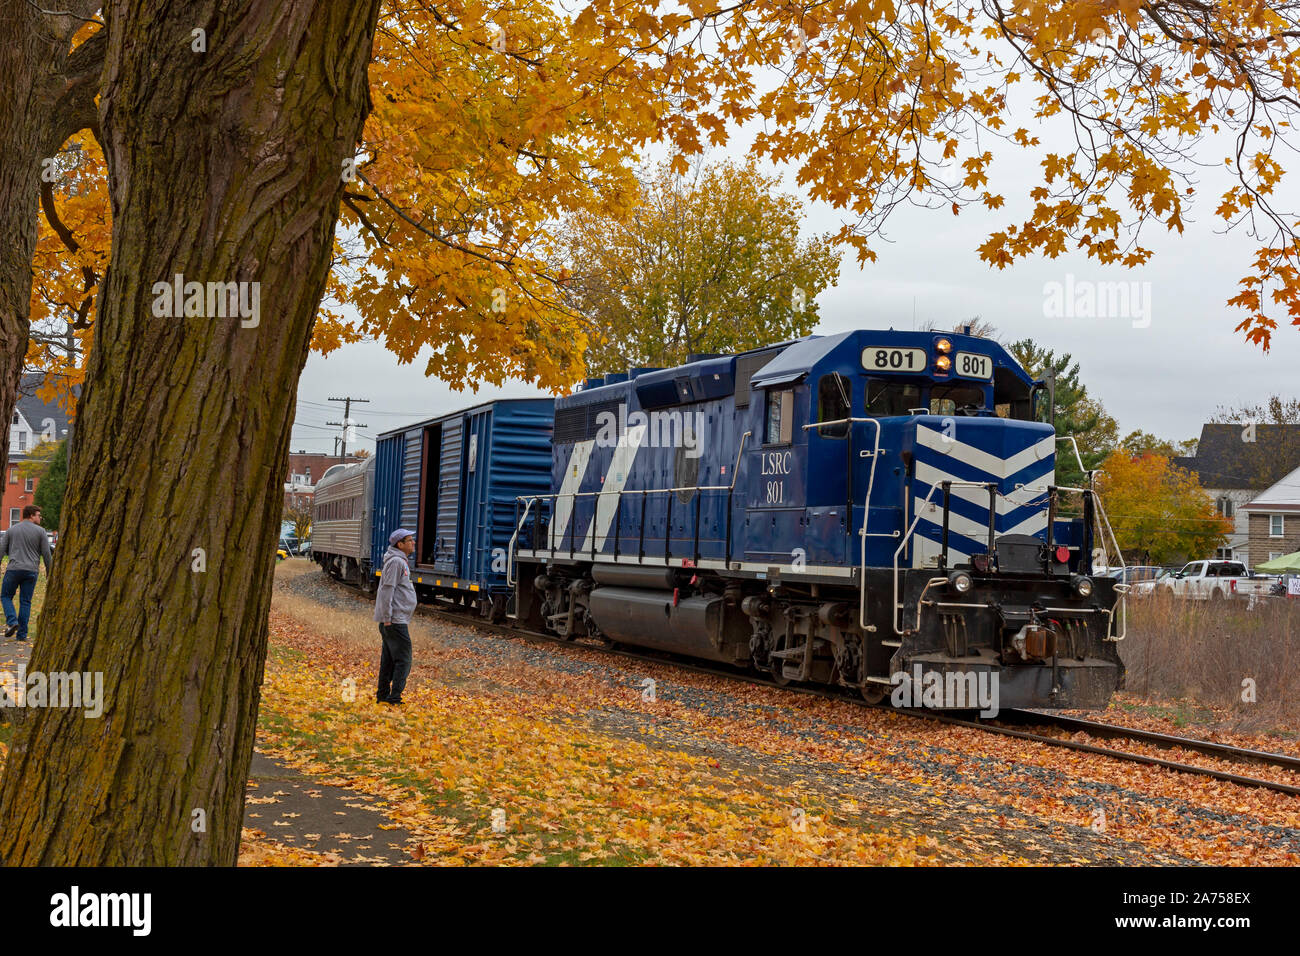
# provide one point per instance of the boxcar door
(409, 510)
(447, 537)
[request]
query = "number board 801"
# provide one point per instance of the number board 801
(876, 358)
(973, 365)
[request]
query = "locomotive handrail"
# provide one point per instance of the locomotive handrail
(1077, 457)
(1123, 595)
(643, 492)
(863, 534)
(987, 485)
(514, 538)
(994, 495)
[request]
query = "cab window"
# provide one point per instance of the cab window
(1012, 398)
(1042, 402)
(888, 398)
(949, 399)
(780, 417)
(833, 405)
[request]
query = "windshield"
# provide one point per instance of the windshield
(888, 398)
(952, 399)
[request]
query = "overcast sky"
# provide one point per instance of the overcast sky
(1166, 377)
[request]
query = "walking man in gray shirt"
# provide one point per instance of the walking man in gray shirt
(394, 605)
(26, 544)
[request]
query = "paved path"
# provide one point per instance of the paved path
(299, 811)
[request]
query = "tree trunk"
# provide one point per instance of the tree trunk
(46, 95)
(224, 166)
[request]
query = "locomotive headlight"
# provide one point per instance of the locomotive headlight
(1083, 586)
(943, 345)
(960, 582)
(943, 363)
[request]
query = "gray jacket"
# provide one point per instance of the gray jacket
(27, 544)
(395, 599)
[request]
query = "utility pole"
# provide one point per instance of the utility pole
(347, 424)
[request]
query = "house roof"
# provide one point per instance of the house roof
(41, 415)
(1284, 495)
(1225, 458)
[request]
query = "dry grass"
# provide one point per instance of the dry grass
(347, 625)
(1213, 653)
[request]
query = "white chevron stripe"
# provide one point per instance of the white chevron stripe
(620, 467)
(985, 461)
(574, 471)
(1021, 498)
(927, 547)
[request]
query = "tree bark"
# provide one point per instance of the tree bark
(46, 95)
(224, 166)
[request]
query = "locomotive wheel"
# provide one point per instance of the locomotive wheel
(776, 665)
(873, 694)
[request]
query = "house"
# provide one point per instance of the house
(304, 471)
(1236, 464)
(1275, 520)
(34, 421)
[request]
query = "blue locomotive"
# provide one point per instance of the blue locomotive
(874, 510)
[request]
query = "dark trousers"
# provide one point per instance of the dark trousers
(24, 582)
(394, 662)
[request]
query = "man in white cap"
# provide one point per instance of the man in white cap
(394, 605)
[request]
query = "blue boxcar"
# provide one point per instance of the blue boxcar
(454, 480)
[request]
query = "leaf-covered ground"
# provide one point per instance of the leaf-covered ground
(580, 767)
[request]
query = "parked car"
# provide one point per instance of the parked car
(1136, 573)
(1211, 581)
(1147, 587)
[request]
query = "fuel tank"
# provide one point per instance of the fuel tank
(702, 626)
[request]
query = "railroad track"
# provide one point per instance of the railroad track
(1000, 726)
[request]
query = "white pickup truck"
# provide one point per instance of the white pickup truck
(1212, 581)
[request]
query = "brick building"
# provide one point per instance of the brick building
(1236, 464)
(34, 422)
(1275, 520)
(305, 469)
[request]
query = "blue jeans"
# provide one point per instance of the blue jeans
(394, 662)
(24, 582)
